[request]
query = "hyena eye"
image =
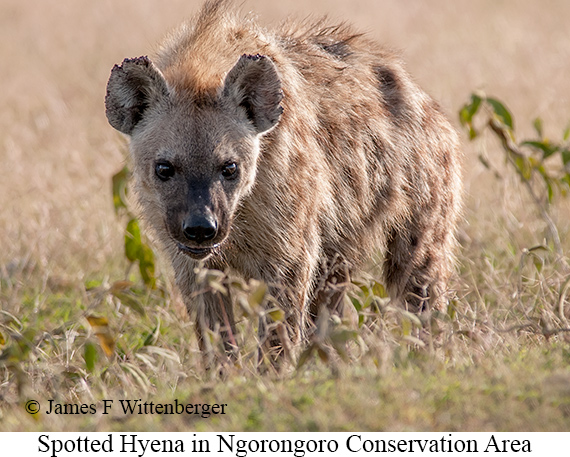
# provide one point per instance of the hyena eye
(164, 170)
(229, 170)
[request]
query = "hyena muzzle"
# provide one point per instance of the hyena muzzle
(289, 156)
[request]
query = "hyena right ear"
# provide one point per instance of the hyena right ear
(133, 87)
(254, 86)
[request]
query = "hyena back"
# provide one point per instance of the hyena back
(288, 156)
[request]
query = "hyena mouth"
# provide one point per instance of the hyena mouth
(197, 253)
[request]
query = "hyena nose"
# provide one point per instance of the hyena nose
(199, 228)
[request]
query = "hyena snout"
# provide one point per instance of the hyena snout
(200, 227)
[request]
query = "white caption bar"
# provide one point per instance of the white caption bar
(126, 444)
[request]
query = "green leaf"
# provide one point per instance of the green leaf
(277, 315)
(469, 110)
(539, 248)
(523, 166)
(501, 112)
(133, 243)
(136, 250)
(131, 301)
(537, 124)
(244, 305)
(406, 327)
(452, 309)
(356, 303)
(544, 146)
(379, 290)
(152, 337)
(566, 157)
(90, 356)
(550, 183)
(541, 170)
(413, 318)
(358, 307)
(92, 284)
(120, 181)
(257, 296)
(538, 263)
(365, 290)
(550, 191)
(146, 266)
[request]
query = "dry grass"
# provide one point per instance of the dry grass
(489, 370)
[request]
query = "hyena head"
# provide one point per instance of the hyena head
(195, 154)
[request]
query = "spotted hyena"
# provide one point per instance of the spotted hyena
(289, 156)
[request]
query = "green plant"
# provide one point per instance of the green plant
(136, 249)
(542, 165)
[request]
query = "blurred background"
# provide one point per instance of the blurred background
(58, 153)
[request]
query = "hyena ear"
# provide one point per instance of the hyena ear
(254, 86)
(133, 87)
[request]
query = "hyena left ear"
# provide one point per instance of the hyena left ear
(133, 87)
(254, 86)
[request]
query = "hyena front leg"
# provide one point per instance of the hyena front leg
(417, 265)
(278, 338)
(333, 280)
(290, 288)
(212, 310)
(215, 313)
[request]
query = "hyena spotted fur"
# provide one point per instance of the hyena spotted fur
(289, 156)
